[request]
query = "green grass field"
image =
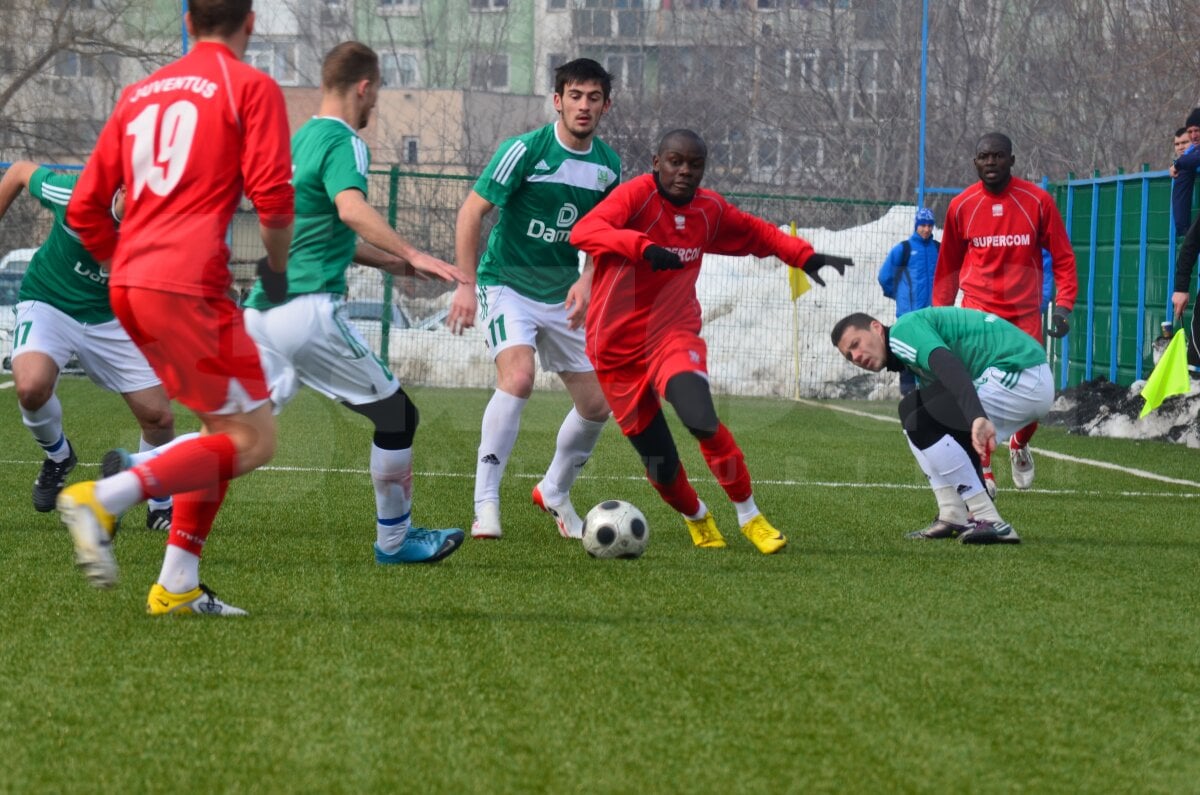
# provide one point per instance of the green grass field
(855, 661)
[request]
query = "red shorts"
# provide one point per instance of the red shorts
(1030, 323)
(196, 345)
(632, 389)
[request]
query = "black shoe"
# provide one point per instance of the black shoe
(51, 480)
(114, 462)
(159, 519)
(938, 530)
(990, 533)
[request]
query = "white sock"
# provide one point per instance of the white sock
(180, 570)
(577, 438)
(391, 475)
(951, 508)
(145, 447)
(982, 508)
(949, 465)
(746, 510)
(120, 493)
(922, 461)
(46, 426)
(146, 453)
(501, 421)
(701, 512)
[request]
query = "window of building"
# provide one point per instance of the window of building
(399, 6)
(556, 5)
(553, 61)
(409, 150)
(489, 72)
(399, 70)
(276, 58)
(78, 64)
(626, 69)
(864, 84)
(489, 5)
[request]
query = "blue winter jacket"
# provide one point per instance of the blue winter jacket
(1181, 189)
(910, 284)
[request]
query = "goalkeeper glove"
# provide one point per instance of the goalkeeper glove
(818, 261)
(661, 259)
(275, 283)
(1060, 322)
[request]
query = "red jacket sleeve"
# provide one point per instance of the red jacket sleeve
(90, 210)
(1055, 239)
(602, 230)
(741, 233)
(949, 262)
(266, 154)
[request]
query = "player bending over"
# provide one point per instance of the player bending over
(643, 326)
(950, 423)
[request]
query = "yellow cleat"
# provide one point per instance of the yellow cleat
(198, 601)
(765, 537)
(92, 529)
(705, 533)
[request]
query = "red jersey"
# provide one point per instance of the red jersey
(634, 308)
(186, 143)
(992, 249)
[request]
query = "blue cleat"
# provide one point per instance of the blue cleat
(422, 546)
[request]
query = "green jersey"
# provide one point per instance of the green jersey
(980, 339)
(62, 272)
(541, 188)
(328, 157)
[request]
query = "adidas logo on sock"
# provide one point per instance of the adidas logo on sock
(490, 458)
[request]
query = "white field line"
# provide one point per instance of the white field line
(820, 484)
(7, 385)
(1140, 473)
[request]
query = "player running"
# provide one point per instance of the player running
(305, 338)
(532, 295)
(63, 310)
(992, 250)
(187, 142)
(643, 326)
(981, 379)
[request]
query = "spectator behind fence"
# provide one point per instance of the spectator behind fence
(1181, 142)
(907, 276)
(1183, 174)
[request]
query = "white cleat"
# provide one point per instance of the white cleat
(487, 521)
(568, 521)
(1022, 466)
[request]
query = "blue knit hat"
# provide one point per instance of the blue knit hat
(924, 216)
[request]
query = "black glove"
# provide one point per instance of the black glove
(275, 285)
(1060, 322)
(661, 259)
(818, 261)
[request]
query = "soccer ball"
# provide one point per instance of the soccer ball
(615, 529)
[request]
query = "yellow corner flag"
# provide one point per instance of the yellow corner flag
(796, 278)
(1170, 375)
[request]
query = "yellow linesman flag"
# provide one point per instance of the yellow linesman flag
(797, 280)
(1170, 375)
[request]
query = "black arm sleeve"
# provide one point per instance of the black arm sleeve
(953, 375)
(1187, 258)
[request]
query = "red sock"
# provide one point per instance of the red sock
(679, 493)
(198, 464)
(193, 516)
(1022, 437)
(728, 465)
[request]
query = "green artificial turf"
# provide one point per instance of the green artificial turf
(855, 661)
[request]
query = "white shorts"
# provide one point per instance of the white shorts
(1013, 400)
(509, 318)
(307, 340)
(106, 353)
